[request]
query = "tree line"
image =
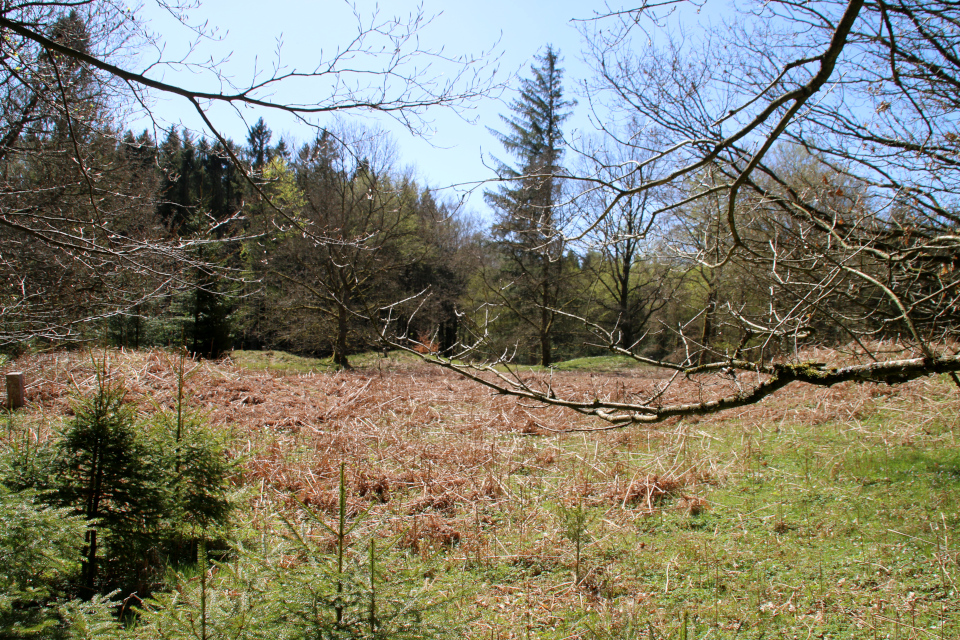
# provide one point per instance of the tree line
(309, 247)
(332, 236)
(720, 221)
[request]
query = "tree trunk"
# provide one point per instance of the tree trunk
(706, 336)
(626, 319)
(89, 575)
(340, 348)
(546, 350)
(546, 327)
(137, 323)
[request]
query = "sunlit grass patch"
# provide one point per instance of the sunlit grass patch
(598, 364)
(280, 362)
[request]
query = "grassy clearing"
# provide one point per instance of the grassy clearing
(815, 514)
(282, 363)
(598, 364)
(802, 532)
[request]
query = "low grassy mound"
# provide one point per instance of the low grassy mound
(599, 364)
(280, 362)
(283, 363)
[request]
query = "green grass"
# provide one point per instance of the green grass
(376, 359)
(595, 364)
(600, 364)
(289, 364)
(806, 533)
(281, 362)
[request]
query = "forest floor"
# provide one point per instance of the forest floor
(818, 513)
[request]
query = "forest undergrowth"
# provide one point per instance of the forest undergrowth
(818, 513)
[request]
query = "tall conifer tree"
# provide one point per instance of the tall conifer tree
(528, 225)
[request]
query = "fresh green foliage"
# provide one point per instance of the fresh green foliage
(147, 492)
(196, 469)
(107, 474)
(574, 523)
(219, 601)
(92, 619)
(39, 555)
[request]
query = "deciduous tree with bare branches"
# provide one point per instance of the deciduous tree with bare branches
(78, 240)
(824, 136)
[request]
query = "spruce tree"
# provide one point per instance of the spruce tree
(529, 222)
(107, 475)
(258, 146)
(201, 192)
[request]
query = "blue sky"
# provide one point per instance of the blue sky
(455, 152)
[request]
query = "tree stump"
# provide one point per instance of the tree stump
(16, 390)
